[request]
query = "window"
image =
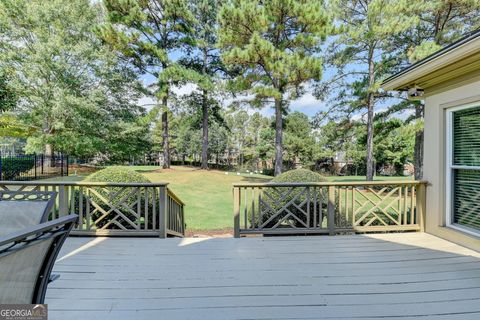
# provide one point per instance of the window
(463, 168)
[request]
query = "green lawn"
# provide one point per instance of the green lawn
(208, 194)
(362, 178)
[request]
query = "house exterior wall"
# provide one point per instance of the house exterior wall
(437, 101)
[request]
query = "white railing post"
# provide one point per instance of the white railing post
(331, 210)
(236, 212)
(420, 206)
(162, 212)
(63, 200)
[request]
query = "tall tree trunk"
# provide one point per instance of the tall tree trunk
(48, 132)
(205, 114)
(165, 144)
(49, 150)
(205, 130)
(278, 136)
(418, 149)
(370, 115)
(49, 153)
(255, 142)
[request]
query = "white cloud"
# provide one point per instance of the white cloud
(305, 101)
(147, 102)
(307, 104)
(184, 90)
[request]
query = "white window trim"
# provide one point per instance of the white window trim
(449, 167)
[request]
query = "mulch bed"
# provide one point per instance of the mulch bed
(81, 169)
(223, 233)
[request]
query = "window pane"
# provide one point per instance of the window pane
(466, 137)
(466, 198)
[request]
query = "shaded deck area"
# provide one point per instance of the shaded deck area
(403, 275)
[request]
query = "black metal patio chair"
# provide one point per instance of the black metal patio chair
(21, 209)
(27, 258)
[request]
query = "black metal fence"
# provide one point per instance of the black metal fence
(24, 167)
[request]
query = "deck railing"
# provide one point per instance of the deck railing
(328, 208)
(125, 209)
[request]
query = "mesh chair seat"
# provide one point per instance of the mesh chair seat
(22, 209)
(27, 258)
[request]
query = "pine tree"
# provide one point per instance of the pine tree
(359, 52)
(204, 58)
(274, 44)
(147, 33)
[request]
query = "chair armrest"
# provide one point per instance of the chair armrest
(53, 277)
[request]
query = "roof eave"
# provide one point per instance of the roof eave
(407, 78)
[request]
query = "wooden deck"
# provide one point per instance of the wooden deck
(403, 276)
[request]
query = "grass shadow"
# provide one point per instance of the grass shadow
(255, 179)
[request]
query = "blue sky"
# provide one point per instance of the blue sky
(307, 103)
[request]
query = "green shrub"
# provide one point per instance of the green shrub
(117, 174)
(13, 167)
(274, 200)
(299, 175)
(123, 198)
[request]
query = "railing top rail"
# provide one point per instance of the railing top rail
(327, 184)
(175, 197)
(82, 183)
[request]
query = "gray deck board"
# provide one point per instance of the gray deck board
(387, 276)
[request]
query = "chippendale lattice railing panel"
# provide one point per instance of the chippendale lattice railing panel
(114, 208)
(330, 208)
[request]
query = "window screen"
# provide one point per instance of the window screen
(466, 168)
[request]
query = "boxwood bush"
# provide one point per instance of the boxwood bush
(299, 175)
(122, 198)
(117, 174)
(273, 199)
(13, 167)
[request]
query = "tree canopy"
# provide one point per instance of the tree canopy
(195, 81)
(275, 45)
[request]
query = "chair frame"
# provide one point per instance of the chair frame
(32, 196)
(58, 229)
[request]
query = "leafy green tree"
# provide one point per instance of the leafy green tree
(8, 97)
(218, 140)
(9, 123)
(188, 142)
(71, 89)
(394, 144)
(266, 144)
(204, 58)
(147, 33)
(299, 140)
(127, 139)
(274, 44)
(13, 127)
(186, 127)
(256, 124)
(361, 54)
(237, 123)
